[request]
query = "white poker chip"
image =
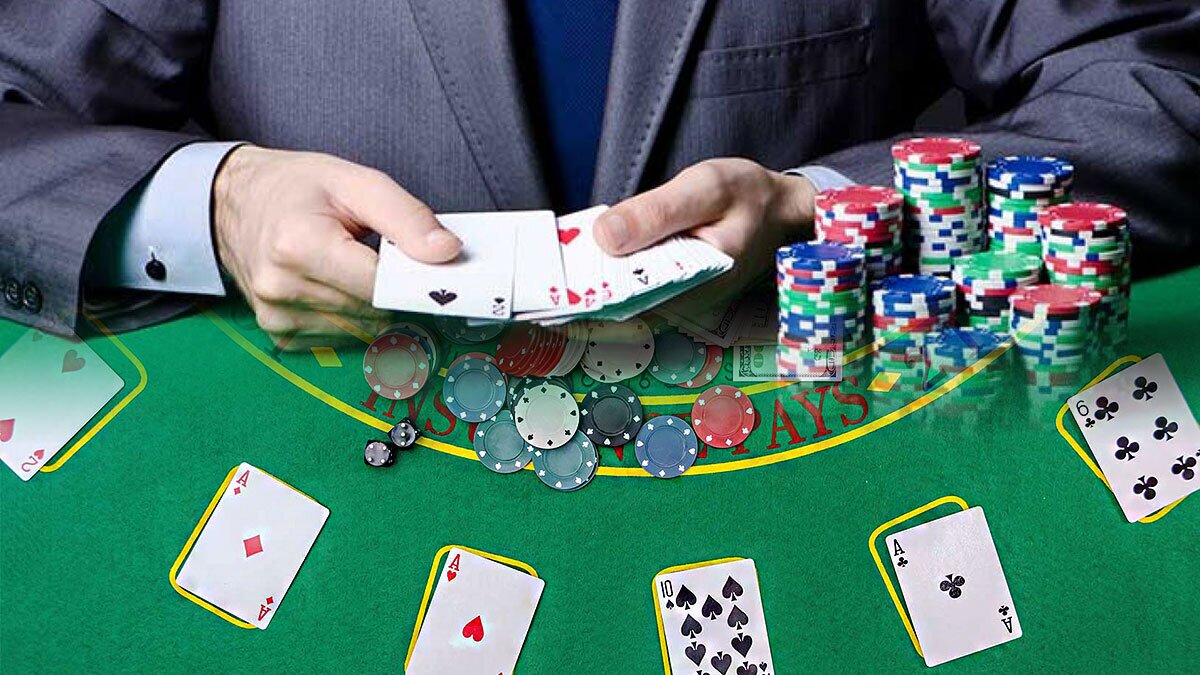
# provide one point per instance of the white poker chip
(547, 416)
(618, 351)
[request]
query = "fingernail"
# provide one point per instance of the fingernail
(443, 240)
(614, 230)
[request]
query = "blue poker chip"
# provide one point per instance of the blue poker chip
(979, 339)
(1030, 170)
(822, 256)
(474, 390)
(908, 285)
(666, 446)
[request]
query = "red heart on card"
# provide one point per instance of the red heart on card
(568, 236)
(474, 629)
(6, 430)
(72, 361)
(450, 574)
(573, 297)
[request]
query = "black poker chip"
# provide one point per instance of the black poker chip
(611, 415)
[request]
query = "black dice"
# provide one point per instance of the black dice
(404, 434)
(379, 453)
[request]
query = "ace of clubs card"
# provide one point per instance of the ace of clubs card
(953, 586)
(252, 546)
(712, 619)
(52, 387)
(477, 619)
(1143, 435)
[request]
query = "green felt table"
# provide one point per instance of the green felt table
(86, 548)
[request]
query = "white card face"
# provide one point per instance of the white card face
(583, 263)
(539, 280)
(713, 619)
(1144, 436)
(52, 387)
(252, 546)
(477, 284)
(477, 619)
(953, 586)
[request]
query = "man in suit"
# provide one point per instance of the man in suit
(148, 146)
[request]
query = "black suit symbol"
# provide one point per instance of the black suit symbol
(1185, 468)
(1106, 409)
(1144, 389)
(1126, 449)
(737, 618)
(747, 668)
(721, 662)
(690, 628)
(686, 598)
(443, 296)
(695, 652)
(742, 644)
(711, 609)
(1165, 429)
(952, 585)
(732, 590)
(1145, 487)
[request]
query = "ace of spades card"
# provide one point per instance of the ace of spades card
(477, 619)
(51, 388)
(713, 621)
(252, 546)
(953, 586)
(1143, 435)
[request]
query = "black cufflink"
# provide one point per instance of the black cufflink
(155, 269)
(32, 298)
(12, 293)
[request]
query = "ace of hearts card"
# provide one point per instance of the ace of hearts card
(252, 545)
(712, 619)
(477, 619)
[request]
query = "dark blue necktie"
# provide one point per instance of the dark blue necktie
(566, 57)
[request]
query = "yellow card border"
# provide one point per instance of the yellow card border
(887, 580)
(191, 541)
(143, 378)
(662, 634)
(1086, 456)
(433, 575)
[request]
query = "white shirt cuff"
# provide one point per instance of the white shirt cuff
(169, 222)
(822, 177)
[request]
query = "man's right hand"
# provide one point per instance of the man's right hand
(287, 227)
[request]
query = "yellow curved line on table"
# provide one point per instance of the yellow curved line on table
(887, 581)
(433, 575)
(143, 378)
(629, 472)
(1086, 457)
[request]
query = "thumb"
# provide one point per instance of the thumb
(378, 203)
(696, 196)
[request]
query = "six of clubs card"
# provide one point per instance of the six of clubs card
(953, 586)
(62, 384)
(252, 546)
(1143, 435)
(712, 619)
(477, 619)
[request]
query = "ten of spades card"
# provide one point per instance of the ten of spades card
(713, 621)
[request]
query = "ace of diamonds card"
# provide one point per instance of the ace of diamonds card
(1143, 435)
(252, 546)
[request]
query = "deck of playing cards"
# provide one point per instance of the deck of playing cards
(530, 266)
(953, 586)
(712, 619)
(252, 546)
(477, 619)
(52, 387)
(1143, 436)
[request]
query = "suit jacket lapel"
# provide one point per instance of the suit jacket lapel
(652, 42)
(470, 43)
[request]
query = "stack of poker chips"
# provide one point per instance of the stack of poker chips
(1087, 245)
(822, 305)
(865, 216)
(943, 200)
(986, 280)
(1019, 187)
(950, 352)
(1052, 327)
(906, 307)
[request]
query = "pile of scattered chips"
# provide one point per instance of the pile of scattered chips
(943, 200)
(822, 305)
(869, 217)
(1087, 245)
(950, 352)
(678, 358)
(986, 280)
(666, 447)
(618, 350)
(399, 361)
(539, 351)
(908, 306)
(1052, 327)
(402, 436)
(1019, 187)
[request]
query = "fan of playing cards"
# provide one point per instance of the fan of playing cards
(530, 266)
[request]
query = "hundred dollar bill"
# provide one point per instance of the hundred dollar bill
(757, 363)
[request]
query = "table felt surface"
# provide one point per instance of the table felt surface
(85, 549)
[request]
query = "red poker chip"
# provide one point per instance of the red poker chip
(395, 366)
(514, 348)
(1083, 217)
(862, 199)
(1053, 299)
(864, 225)
(723, 416)
(1083, 266)
(935, 150)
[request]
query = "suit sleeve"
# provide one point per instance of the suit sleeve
(1112, 85)
(93, 97)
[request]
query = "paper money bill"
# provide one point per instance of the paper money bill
(757, 363)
